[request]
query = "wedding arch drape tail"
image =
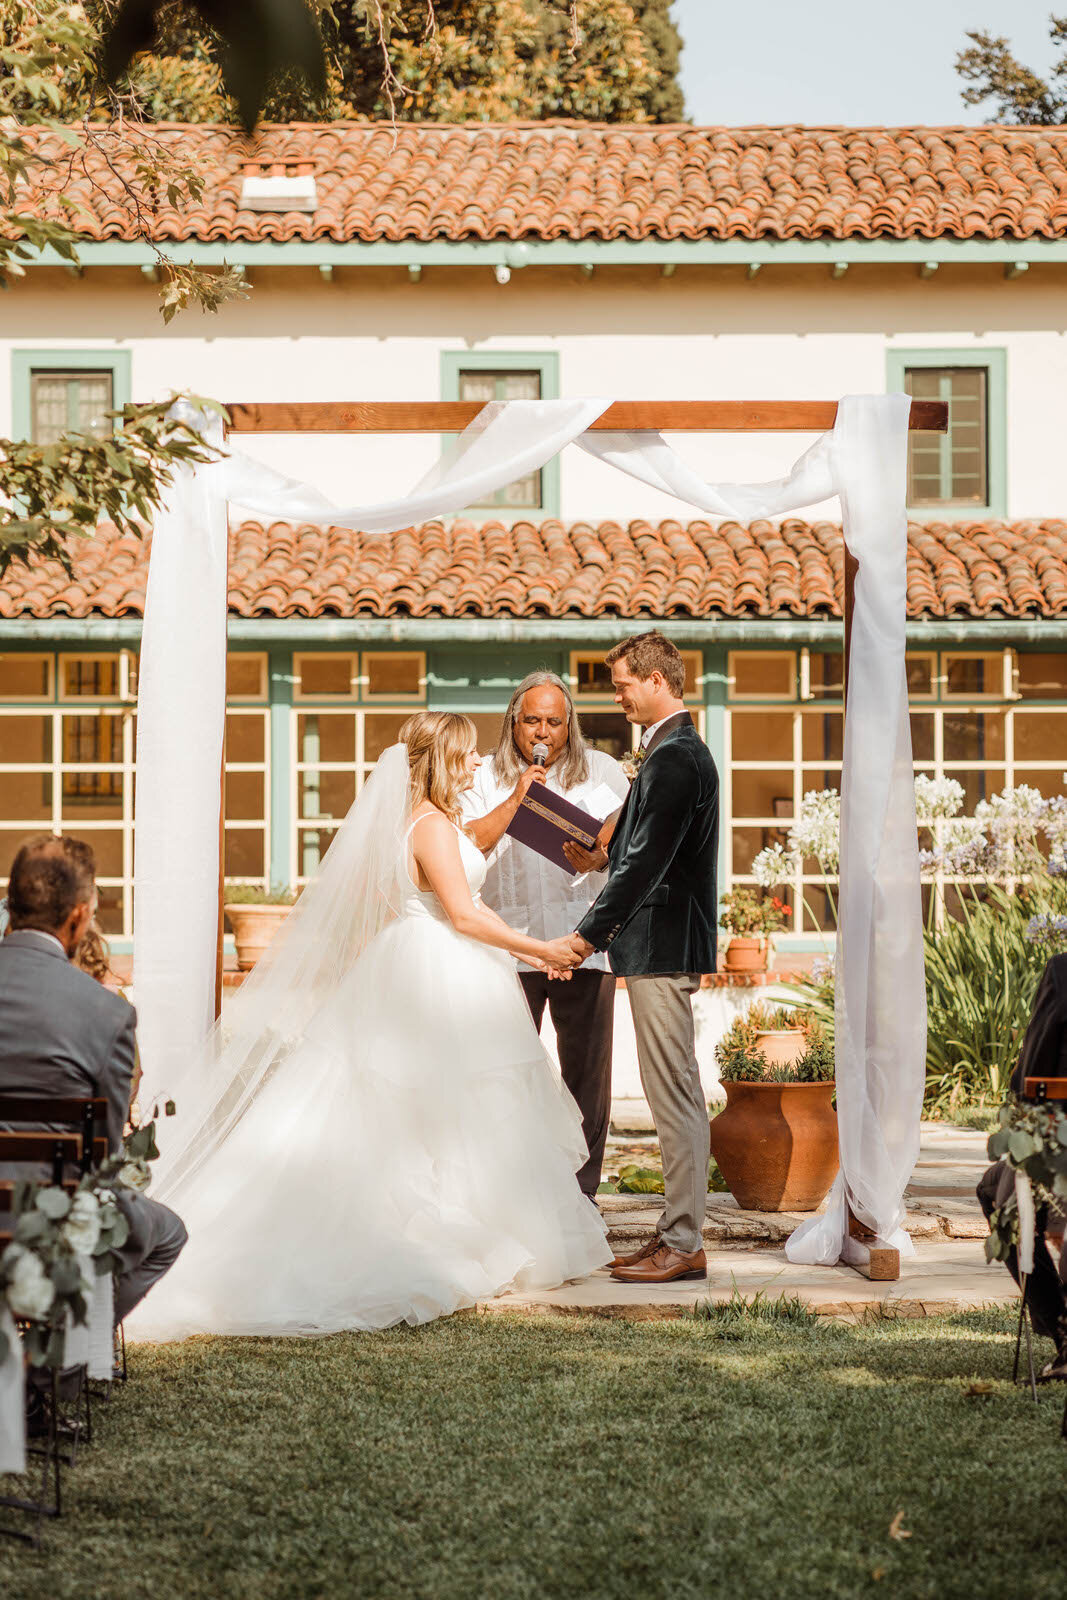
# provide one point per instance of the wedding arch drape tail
(880, 1004)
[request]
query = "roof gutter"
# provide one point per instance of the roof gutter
(341, 631)
(515, 254)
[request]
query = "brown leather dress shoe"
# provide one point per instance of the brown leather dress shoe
(637, 1255)
(664, 1265)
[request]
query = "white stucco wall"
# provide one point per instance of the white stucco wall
(627, 332)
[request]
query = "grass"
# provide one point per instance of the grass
(736, 1454)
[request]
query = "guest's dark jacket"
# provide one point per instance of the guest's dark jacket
(1044, 1047)
(658, 911)
(1043, 1055)
(61, 1032)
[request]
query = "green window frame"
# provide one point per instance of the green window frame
(453, 362)
(25, 363)
(994, 361)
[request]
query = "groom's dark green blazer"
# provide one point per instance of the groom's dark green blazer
(658, 911)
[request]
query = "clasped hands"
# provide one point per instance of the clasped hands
(565, 954)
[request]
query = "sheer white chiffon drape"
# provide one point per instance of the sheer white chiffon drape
(880, 988)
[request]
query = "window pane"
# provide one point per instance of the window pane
(747, 844)
(762, 673)
(245, 676)
(822, 735)
(981, 784)
(1041, 736)
(761, 735)
(383, 729)
(488, 725)
(327, 674)
(922, 735)
(109, 908)
(953, 467)
(974, 735)
(1044, 676)
(245, 853)
(312, 845)
(326, 794)
(23, 677)
(818, 916)
(506, 385)
(1048, 782)
(106, 845)
(244, 796)
(91, 797)
(26, 739)
(920, 672)
(322, 736)
(25, 796)
(974, 675)
(609, 731)
(94, 676)
(762, 794)
(393, 674)
(245, 737)
(96, 737)
(61, 401)
(592, 675)
(826, 674)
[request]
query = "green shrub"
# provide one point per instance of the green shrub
(251, 894)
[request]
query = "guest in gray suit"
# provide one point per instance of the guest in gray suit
(63, 1033)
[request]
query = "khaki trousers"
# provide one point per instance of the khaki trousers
(666, 1055)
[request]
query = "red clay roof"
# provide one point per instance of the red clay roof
(565, 180)
(548, 569)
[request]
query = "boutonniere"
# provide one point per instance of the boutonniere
(632, 764)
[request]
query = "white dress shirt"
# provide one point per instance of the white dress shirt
(533, 895)
(654, 726)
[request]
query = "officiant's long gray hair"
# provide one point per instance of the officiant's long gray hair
(508, 760)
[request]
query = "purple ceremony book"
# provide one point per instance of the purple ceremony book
(545, 821)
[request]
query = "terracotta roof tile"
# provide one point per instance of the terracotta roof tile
(791, 569)
(565, 180)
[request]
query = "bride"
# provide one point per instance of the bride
(377, 1135)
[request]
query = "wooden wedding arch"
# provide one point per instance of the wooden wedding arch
(623, 416)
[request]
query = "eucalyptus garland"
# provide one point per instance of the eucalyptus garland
(1032, 1139)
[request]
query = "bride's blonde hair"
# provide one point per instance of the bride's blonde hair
(438, 742)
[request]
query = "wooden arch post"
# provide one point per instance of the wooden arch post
(624, 416)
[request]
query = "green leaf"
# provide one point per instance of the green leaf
(53, 1202)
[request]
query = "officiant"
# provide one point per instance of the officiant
(541, 742)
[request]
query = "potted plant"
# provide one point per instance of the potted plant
(751, 919)
(776, 1139)
(779, 1034)
(255, 915)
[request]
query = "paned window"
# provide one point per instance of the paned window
(68, 402)
(950, 468)
(984, 718)
(485, 385)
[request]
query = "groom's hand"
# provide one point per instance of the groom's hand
(581, 947)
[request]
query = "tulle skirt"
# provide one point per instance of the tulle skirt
(414, 1154)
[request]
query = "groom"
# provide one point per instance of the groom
(656, 919)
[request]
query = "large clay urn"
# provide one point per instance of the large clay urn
(254, 926)
(776, 1144)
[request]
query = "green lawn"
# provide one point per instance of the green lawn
(491, 1457)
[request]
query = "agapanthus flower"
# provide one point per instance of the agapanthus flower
(937, 798)
(1047, 929)
(774, 866)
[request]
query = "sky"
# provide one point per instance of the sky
(844, 61)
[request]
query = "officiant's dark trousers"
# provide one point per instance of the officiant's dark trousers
(583, 1015)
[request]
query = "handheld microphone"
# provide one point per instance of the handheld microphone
(540, 754)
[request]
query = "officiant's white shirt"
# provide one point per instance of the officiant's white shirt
(533, 895)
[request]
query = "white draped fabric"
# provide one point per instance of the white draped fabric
(881, 997)
(12, 1399)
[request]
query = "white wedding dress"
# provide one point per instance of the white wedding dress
(410, 1153)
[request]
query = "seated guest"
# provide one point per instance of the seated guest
(62, 1033)
(1043, 1055)
(539, 898)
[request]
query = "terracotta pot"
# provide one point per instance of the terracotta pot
(747, 955)
(253, 929)
(782, 1047)
(776, 1144)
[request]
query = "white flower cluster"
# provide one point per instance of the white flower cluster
(817, 830)
(774, 866)
(936, 798)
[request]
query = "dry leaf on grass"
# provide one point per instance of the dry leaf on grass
(897, 1529)
(978, 1387)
